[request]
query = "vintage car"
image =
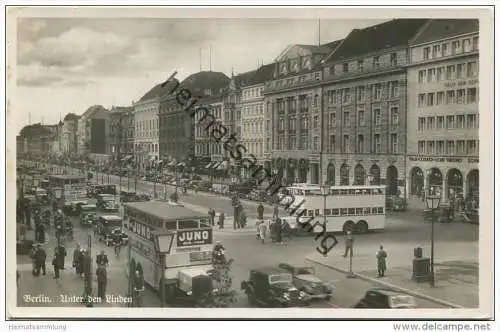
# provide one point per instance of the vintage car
(273, 287)
(305, 280)
(379, 298)
(73, 208)
(105, 224)
(88, 214)
(116, 232)
(107, 202)
(128, 196)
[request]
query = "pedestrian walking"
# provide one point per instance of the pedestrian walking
(348, 244)
(55, 264)
(221, 220)
(381, 262)
(40, 258)
(61, 254)
(41, 233)
(275, 211)
(262, 228)
(76, 254)
(32, 256)
(243, 219)
(211, 214)
(279, 231)
(260, 211)
(102, 281)
(236, 216)
(102, 259)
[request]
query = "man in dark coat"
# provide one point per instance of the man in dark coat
(76, 254)
(55, 263)
(80, 262)
(279, 231)
(221, 220)
(102, 259)
(40, 258)
(41, 233)
(381, 262)
(260, 211)
(61, 254)
(102, 280)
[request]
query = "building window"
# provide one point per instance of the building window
(430, 123)
(455, 47)
(347, 120)
(377, 91)
(316, 100)
(444, 49)
(394, 143)
(421, 123)
(450, 97)
(450, 72)
(376, 143)
(360, 66)
(421, 147)
(315, 122)
(475, 43)
(430, 99)
(461, 96)
(430, 147)
(281, 125)
(304, 141)
(422, 74)
(471, 147)
(347, 95)
(394, 59)
(345, 144)
(360, 94)
(439, 98)
(440, 147)
(394, 116)
(330, 95)
(361, 118)
(436, 51)
(439, 74)
(377, 116)
(332, 70)
(316, 143)
(471, 121)
(450, 122)
(394, 86)
(431, 75)
(471, 95)
(361, 144)
(440, 122)
(472, 69)
(421, 100)
(460, 121)
(450, 147)
(376, 62)
(345, 67)
(460, 147)
(460, 70)
(466, 45)
(427, 51)
(268, 144)
(333, 120)
(291, 124)
(268, 125)
(332, 143)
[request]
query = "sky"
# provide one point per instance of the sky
(69, 64)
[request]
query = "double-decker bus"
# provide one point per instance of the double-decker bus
(171, 245)
(347, 208)
(74, 189)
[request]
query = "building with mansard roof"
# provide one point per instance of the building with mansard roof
(443, 110)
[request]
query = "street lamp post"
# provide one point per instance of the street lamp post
(433, 205)
(325, 190)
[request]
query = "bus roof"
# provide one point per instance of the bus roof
(67, 177)
(306, 186)
(111, 217)
(164, 210)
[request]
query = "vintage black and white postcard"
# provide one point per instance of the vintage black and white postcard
(249, 162)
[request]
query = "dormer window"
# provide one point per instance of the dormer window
(360, 66)
(376, 62)
(208, 92)
(306, 63)
(295, 66)
(283, 69)
(345, 67)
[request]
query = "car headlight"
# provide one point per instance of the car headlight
(302, 294)
(189, 293)
(286, 296)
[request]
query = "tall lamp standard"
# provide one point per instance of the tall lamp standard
(433, 205)
(325, 191)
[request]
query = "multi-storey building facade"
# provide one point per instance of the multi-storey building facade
(250, 118)
(121, 133)
(443, 112)
(292, 113)
(191, 141)
(205, 146)
(364, 106)
(70, 134)
(38, 139)
(146, 139)
(92, 132)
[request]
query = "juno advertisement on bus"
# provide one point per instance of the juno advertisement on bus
(194, 237)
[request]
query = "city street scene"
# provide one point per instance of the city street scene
(251, 163)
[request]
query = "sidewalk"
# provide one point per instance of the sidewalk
(456, 273)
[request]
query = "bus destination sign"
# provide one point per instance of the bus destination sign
(194, 237)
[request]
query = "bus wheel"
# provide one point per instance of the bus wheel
(361, 227)
(349, 226)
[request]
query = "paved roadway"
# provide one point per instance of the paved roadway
(247, 252)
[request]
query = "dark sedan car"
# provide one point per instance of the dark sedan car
(304, 279)
(379, 298)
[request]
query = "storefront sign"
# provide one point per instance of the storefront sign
(443, 160)
(194, 237)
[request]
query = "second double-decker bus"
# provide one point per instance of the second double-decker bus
(172, 246)
(346, 208)
(74, 189)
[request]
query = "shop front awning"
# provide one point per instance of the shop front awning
(172, 163)
(222, 166)
(209, 165)
(127, 158)
(181, 164)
